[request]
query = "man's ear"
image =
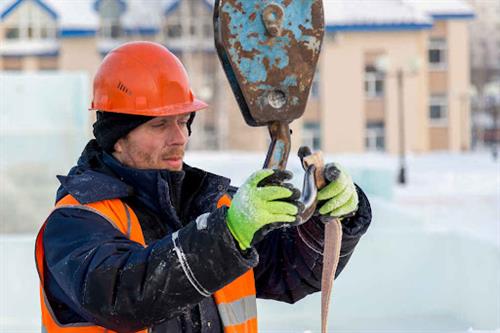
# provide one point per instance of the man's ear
(118, 147)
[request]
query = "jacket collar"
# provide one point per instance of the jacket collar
(91, 186)
(99, 176)
(151, 186)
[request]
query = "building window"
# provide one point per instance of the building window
(191, 20)
(173, 30)
(375, 136)
(311, 135)
(30, 27)
(374, 83)
(12, 33)
(437, 53)
(438, 110)
(46, 32)
(192, 30)
(111, 29)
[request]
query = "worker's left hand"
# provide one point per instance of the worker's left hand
(338, 198)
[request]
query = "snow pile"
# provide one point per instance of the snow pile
(442, 7)
(366, 12)
(75, 14)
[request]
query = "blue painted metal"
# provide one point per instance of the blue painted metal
(269, 50)
(251, 35)
(279, 150)
(40, 3)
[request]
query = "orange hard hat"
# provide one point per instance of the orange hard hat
(143, 78)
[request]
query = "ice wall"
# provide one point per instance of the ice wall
(43, 127)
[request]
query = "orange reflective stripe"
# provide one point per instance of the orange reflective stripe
(115, 211)
(122, 218)
(39, 254)
(225, 200)
(241, 287)
(50, 324)
(233, 304)
(236, 301)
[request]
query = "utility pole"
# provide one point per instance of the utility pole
(494, 151)
(401, 128)
(382, 64)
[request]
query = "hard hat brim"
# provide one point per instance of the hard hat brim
(170, 110)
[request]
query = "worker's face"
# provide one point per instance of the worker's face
(156, 144)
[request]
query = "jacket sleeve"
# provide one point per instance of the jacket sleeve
(107, 279)
(291, 260)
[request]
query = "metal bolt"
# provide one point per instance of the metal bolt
(277, 99)
(273, 19)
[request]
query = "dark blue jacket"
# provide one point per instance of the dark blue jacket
(95, 274)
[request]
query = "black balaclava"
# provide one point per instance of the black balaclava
(110, 127)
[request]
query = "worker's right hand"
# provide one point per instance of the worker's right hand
(263, 203)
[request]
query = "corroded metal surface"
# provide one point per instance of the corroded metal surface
(279, 149)
(269, 50)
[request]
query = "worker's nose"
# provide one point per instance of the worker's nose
(178, 135)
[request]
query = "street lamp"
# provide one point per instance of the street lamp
(382, 64)
(471, 99)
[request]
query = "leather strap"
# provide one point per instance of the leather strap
(332, 242)
(331, 255)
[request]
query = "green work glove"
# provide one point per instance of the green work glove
(263, 203)
(339, 196)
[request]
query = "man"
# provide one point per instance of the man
(140, 241)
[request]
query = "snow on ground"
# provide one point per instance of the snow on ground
(455, 192)
(448, 192)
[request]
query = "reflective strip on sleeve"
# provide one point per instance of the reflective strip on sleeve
(90, 209)
(239, 311)
(185, 266)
